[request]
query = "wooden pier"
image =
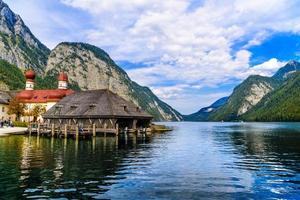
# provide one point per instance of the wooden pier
(91, 113)
(74, 131)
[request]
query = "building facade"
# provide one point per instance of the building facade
(5, 97)
(42, 98)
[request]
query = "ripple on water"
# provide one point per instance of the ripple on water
(196, 160)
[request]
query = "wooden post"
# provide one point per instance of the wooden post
(52, 130)
(66, 130)
(117, 129)
(105, 125)
(134, 124)
(38, 129)
(30, 128)
(94, 130)
(77, 131)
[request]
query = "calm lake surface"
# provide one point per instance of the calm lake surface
(195, 161)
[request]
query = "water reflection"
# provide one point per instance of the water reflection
(271, 151)
(50, 167)
(196, 160)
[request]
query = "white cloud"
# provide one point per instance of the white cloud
(192, 48)
(267, 68)
(48, 20)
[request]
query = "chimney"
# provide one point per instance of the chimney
(62, 81)
(30, 76)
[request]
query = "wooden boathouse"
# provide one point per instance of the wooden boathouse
(92, 112)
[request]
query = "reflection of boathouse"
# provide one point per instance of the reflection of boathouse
(101, 110)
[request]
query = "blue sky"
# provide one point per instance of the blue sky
(189, 52)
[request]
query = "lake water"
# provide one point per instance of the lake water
(194, 161)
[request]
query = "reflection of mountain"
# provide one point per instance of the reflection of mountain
(272, 147)
(58, 167)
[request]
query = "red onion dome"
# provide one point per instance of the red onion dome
(30, 74)
(62, 76)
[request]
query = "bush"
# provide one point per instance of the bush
(20, 124)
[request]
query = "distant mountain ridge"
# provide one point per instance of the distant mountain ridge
(204, 113)
(290, 68)
(88, 66)
(257, 98)
(282, 104)
(244, 97)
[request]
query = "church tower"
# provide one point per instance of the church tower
(30, 76)
(62, 81)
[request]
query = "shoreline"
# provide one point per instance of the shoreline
(6, 131)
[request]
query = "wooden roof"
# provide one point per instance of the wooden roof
(95, 104)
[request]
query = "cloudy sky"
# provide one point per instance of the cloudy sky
(189, 52)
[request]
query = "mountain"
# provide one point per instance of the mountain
(290, 68)
(203, 113)
(244, 97)
(280, 105)
(18, 45)
(11, 77)
(89, 68)
(252, 95)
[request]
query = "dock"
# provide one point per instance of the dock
(74, 131)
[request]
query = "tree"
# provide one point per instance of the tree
(15, 107)
(36, 111)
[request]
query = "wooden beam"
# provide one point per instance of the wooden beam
(94, 130)
(77, 131)
(117, 129)
(111, 122)
(134, 124)
(30, 128)
(66, 131)
(38, 129)
(52, 129)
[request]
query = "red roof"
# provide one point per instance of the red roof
(62, 76)
(42, 96)
(30, 74)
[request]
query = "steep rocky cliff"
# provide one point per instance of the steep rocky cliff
(92, 68)
(281, 104)
(257, 98)
(17, 44)
(87, 66)
(244, 97)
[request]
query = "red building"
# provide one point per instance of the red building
(45, 98)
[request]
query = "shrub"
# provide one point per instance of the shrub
(20, 124)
